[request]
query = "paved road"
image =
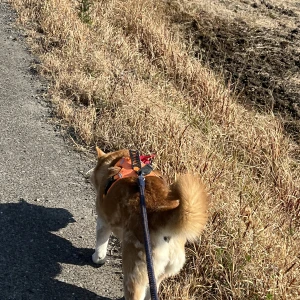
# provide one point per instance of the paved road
(47, 216)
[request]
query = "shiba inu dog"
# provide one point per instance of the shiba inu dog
(177, 213)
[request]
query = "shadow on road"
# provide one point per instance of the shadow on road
(30, 254)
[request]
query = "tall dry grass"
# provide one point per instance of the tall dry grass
(122, 77)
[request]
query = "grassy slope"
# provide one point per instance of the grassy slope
(123, 76)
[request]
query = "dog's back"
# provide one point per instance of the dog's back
(179, 209)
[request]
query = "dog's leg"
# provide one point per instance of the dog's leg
(135, 270)
(103, 232)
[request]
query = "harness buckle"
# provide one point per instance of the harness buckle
(135, 160)
(137, 166)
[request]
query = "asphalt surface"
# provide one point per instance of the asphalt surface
(47, 215)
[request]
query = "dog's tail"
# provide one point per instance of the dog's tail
(190, 217)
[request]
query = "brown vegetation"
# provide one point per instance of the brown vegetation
(256, 45)
(123, 76)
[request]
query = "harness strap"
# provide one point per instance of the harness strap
(109, 183)
(125, 164)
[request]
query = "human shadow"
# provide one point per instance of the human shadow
(30, 254)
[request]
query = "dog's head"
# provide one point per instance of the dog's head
(105, 167)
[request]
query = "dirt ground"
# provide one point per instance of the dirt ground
(255, 45)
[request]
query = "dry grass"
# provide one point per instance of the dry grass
(121, 76)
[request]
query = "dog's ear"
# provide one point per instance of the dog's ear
(100, 153)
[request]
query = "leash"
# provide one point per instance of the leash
(142, 172)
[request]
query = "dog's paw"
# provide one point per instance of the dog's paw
(97, 259)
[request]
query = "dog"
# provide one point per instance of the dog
(177, 213)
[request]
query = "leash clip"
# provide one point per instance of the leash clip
(136, 164)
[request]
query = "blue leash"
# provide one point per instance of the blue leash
(150, 269)
(135, 160)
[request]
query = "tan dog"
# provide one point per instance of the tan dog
(176, 213)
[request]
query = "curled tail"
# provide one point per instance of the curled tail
(190, 217)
